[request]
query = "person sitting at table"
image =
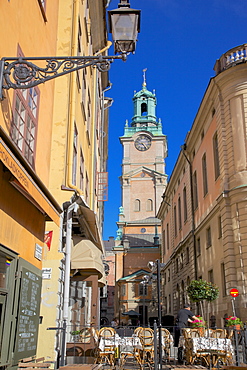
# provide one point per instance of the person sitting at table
(185, 315)
(114, 322)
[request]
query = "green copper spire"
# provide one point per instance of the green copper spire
(144, 117)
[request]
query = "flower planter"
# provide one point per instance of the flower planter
(236, 327)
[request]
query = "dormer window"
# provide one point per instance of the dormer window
(144, 109)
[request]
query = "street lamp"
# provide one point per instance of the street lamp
(22, 73)
(156, 267)
(124, 25)
(144, 283)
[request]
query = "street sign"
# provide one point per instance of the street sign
(234, 292)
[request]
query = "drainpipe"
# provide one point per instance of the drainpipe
(184, 147)
(72, 101)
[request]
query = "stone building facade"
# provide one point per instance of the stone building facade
(203, 212)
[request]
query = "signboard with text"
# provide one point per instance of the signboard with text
(28, 314)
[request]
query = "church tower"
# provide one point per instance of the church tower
(143, 182)
(143, 177)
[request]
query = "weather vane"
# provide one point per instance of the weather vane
(144, 76)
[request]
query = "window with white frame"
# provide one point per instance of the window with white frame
(25, 121)
(143, 289)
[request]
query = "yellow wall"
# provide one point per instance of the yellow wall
(23, 24)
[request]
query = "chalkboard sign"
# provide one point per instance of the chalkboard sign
(28, 314)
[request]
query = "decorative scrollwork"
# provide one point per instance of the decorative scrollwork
(22, 73)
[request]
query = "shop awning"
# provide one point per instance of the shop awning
(88, 219)
(102, 281)
(86, 258)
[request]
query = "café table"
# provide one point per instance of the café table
(123, 347)
(208, 349)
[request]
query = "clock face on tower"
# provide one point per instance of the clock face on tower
(143, 142)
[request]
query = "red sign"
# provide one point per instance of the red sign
(234, 292)
(48, 239)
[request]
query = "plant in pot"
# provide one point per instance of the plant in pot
(75, 335)
(200, 290)
(199, 324)
(234, 322)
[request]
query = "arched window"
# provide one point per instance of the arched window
(144, 109)
(149, 205)
(137, 205)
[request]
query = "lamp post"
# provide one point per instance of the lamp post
(156, 267)
(144, 284)
(23, 73)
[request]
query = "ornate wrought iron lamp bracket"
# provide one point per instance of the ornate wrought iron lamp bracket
(22, 73)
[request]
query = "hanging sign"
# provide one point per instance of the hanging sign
(234, 292)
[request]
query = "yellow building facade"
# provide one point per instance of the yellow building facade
(26, 204)
(78, 160)
(53, 153)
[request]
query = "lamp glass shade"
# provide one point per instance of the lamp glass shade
(124, 26)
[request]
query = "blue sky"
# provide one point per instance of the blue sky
(179, 43)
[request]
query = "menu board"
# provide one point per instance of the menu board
(28, 315)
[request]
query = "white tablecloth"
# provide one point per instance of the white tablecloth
(212, 344)
(125, 344)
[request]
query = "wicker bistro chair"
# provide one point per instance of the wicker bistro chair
(85, 335)
(138, 330)
(208, 333)
(147, 340)
(224, 356)
(105, 352)
(218, 333)
(190, 355)
(129, 349)
(166, 342)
